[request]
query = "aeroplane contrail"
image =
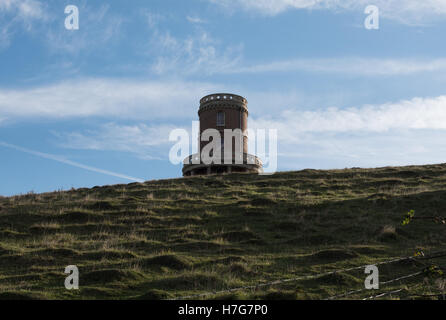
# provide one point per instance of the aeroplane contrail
(69, 162)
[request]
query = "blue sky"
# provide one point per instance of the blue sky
(94, 106)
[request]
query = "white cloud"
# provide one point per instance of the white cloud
(418, 113)
(122, 99)
(400, 133)
(326, 150)
(351, 66)
(195, 19)
(407, 11)
(178, 100)
(143, 140)
(270, 7)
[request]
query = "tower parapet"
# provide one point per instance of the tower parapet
(226, 100)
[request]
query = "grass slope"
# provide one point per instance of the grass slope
(170, 238)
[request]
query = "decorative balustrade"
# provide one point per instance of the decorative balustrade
(247, 159)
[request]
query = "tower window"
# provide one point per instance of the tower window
(220, 118)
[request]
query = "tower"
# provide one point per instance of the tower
(220, 112)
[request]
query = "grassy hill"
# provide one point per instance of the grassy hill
(172, 238)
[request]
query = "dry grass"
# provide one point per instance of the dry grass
(163, 239)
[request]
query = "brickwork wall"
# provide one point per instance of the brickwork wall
(236, 116)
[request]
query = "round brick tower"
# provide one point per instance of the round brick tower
(220, 112)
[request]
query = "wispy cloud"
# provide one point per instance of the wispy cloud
(69, 162)
(99, 26)
(407, 11)
(25, 10)
(194, 19)
(196, 53)
(153, 19)
(188, 58)
(202, 54)
(349, 65)
(146, 142)
(124, 99)
(19, 14)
